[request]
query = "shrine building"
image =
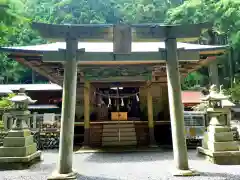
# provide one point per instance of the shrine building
(124, 80)
(116, 95)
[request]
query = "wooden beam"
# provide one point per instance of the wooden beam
(104, 32)
(148, 32)
(84, 32)
(59, 56)
(38, 70)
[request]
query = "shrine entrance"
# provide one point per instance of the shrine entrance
(119, 103)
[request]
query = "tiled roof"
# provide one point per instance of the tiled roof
(30, 87)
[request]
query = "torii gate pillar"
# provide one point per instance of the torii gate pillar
(64, 167)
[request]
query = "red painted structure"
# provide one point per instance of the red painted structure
(191, 98)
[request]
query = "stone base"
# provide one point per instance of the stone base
(220, 157)
(18, 163)
(186, 173)
(57, 176)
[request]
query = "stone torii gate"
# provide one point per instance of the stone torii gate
(122, 36)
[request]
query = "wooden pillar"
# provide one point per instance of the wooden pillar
(176, 107)
(152, 141)
(86, 112)
(64, 168)
(213, 73)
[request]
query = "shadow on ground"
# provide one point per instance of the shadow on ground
(137, 156)
(221, 176)
(81, 177)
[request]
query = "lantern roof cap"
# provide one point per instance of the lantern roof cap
(215, 95)
(22, 97)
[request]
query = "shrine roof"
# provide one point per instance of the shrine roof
(30, 87)
(108, 47)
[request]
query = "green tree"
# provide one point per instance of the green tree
(225, 15)
(5, 102)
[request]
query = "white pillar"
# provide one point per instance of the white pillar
(34, 120)
(213, 73)
(28, 122)
(5, 121)
(176, 106)
(64, 168)
(10, 120)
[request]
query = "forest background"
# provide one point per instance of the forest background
(17, 15)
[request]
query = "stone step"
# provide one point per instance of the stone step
(122, 134)
(18, 151)
(223, 146)
(218, 129)
(120, 143)
(118, 135)
(18, 141)
(219, 137)
(121, 138)
(116, 130)
(114, 126)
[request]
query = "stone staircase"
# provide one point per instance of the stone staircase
(119, 135)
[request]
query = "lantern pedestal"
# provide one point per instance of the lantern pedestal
(218, 145)
(19, 150)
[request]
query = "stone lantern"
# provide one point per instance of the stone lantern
(218, 144)
(20, 110)
(19, 150)
(216, 107)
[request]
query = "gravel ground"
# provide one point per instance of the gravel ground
(125, 166)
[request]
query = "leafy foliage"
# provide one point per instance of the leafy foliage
(234, 92)
(5, 103)
(225, 14)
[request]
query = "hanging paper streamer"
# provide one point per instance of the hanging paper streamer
(109, 102)
(101, 101)
(122, 103)
(137, 98)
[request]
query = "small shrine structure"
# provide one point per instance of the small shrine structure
(19, 150)
(218, 143)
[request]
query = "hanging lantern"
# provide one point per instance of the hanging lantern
(101, 101)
